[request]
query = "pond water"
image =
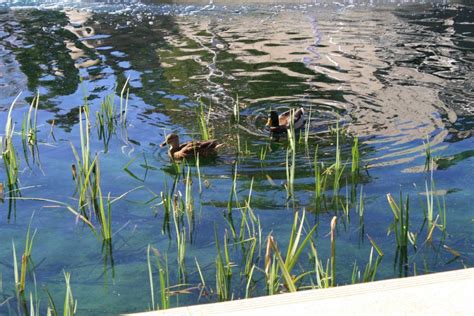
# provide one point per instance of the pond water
(396, 76)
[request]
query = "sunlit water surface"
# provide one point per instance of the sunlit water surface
(394, 75)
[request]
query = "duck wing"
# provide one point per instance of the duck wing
(208, 144)
(299, 118)
(284, 119)
(199, 146)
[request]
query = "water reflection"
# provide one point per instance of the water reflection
(395, 76)
(380, 69)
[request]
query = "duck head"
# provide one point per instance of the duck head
(273, 120)
(172, 140)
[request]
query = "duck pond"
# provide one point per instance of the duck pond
(96, 219)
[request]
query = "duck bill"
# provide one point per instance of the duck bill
(269, 122)
(163, 144)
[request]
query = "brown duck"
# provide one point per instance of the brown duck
(281, 123)
(190, 149)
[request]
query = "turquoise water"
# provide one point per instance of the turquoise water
(391, 75)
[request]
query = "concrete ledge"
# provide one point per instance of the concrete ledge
(445, 293)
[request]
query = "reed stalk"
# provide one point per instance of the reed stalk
(428, 158)
(338, 167)
(203, 122)
(26, 258)
(355, 157)
(163, 277)
(401, 219)
(233, 197)
(236, 110)
(333, 251)
(189, 202)
(263, 153)
(370, 269)
(291, 159)
(29, 136)
(20, 279)
(124, 104)
(201, 276)
(106, 120)
(322, 274)
(198, 170)
(70, 304)
(176, 205)
(293, 253)
(320, 179)
(103, 210)
(10, 158)
(223, 270)
(84, 166)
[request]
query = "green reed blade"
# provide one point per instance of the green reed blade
(150, 278)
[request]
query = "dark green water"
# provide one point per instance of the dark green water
(390, 75)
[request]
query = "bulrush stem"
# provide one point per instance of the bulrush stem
(24, 261)
(333, 250)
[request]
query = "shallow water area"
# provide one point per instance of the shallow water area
(397, 76)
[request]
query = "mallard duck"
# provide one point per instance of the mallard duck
(281, 123)
(190, 149)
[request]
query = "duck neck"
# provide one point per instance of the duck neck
(171, 150)
(173, 147)
(274, 121)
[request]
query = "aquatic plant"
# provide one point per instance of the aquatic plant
(249, 237)
(236, 110)
(103, 210)
(291, 159)
(70, 304)
(163, 277)
(145, 166)
(202, 286)
(307, 130)
(370, 269)
(87, 176)
(223, 270)
(51, 131)
(294, 251)
(29, 136)
(20, 281)
(233, 197)
(124, 102)
(320, 179)
(428, 158)
(355, 157)
(337, 167)
(360, 209)
(34, 300)
(84, 166)
(10, 159)
(189, 202)
(203, 121)
(400, 224)
(106, 120)
(263, 153)
(198, 171)
(429, 208)
(333, 250)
